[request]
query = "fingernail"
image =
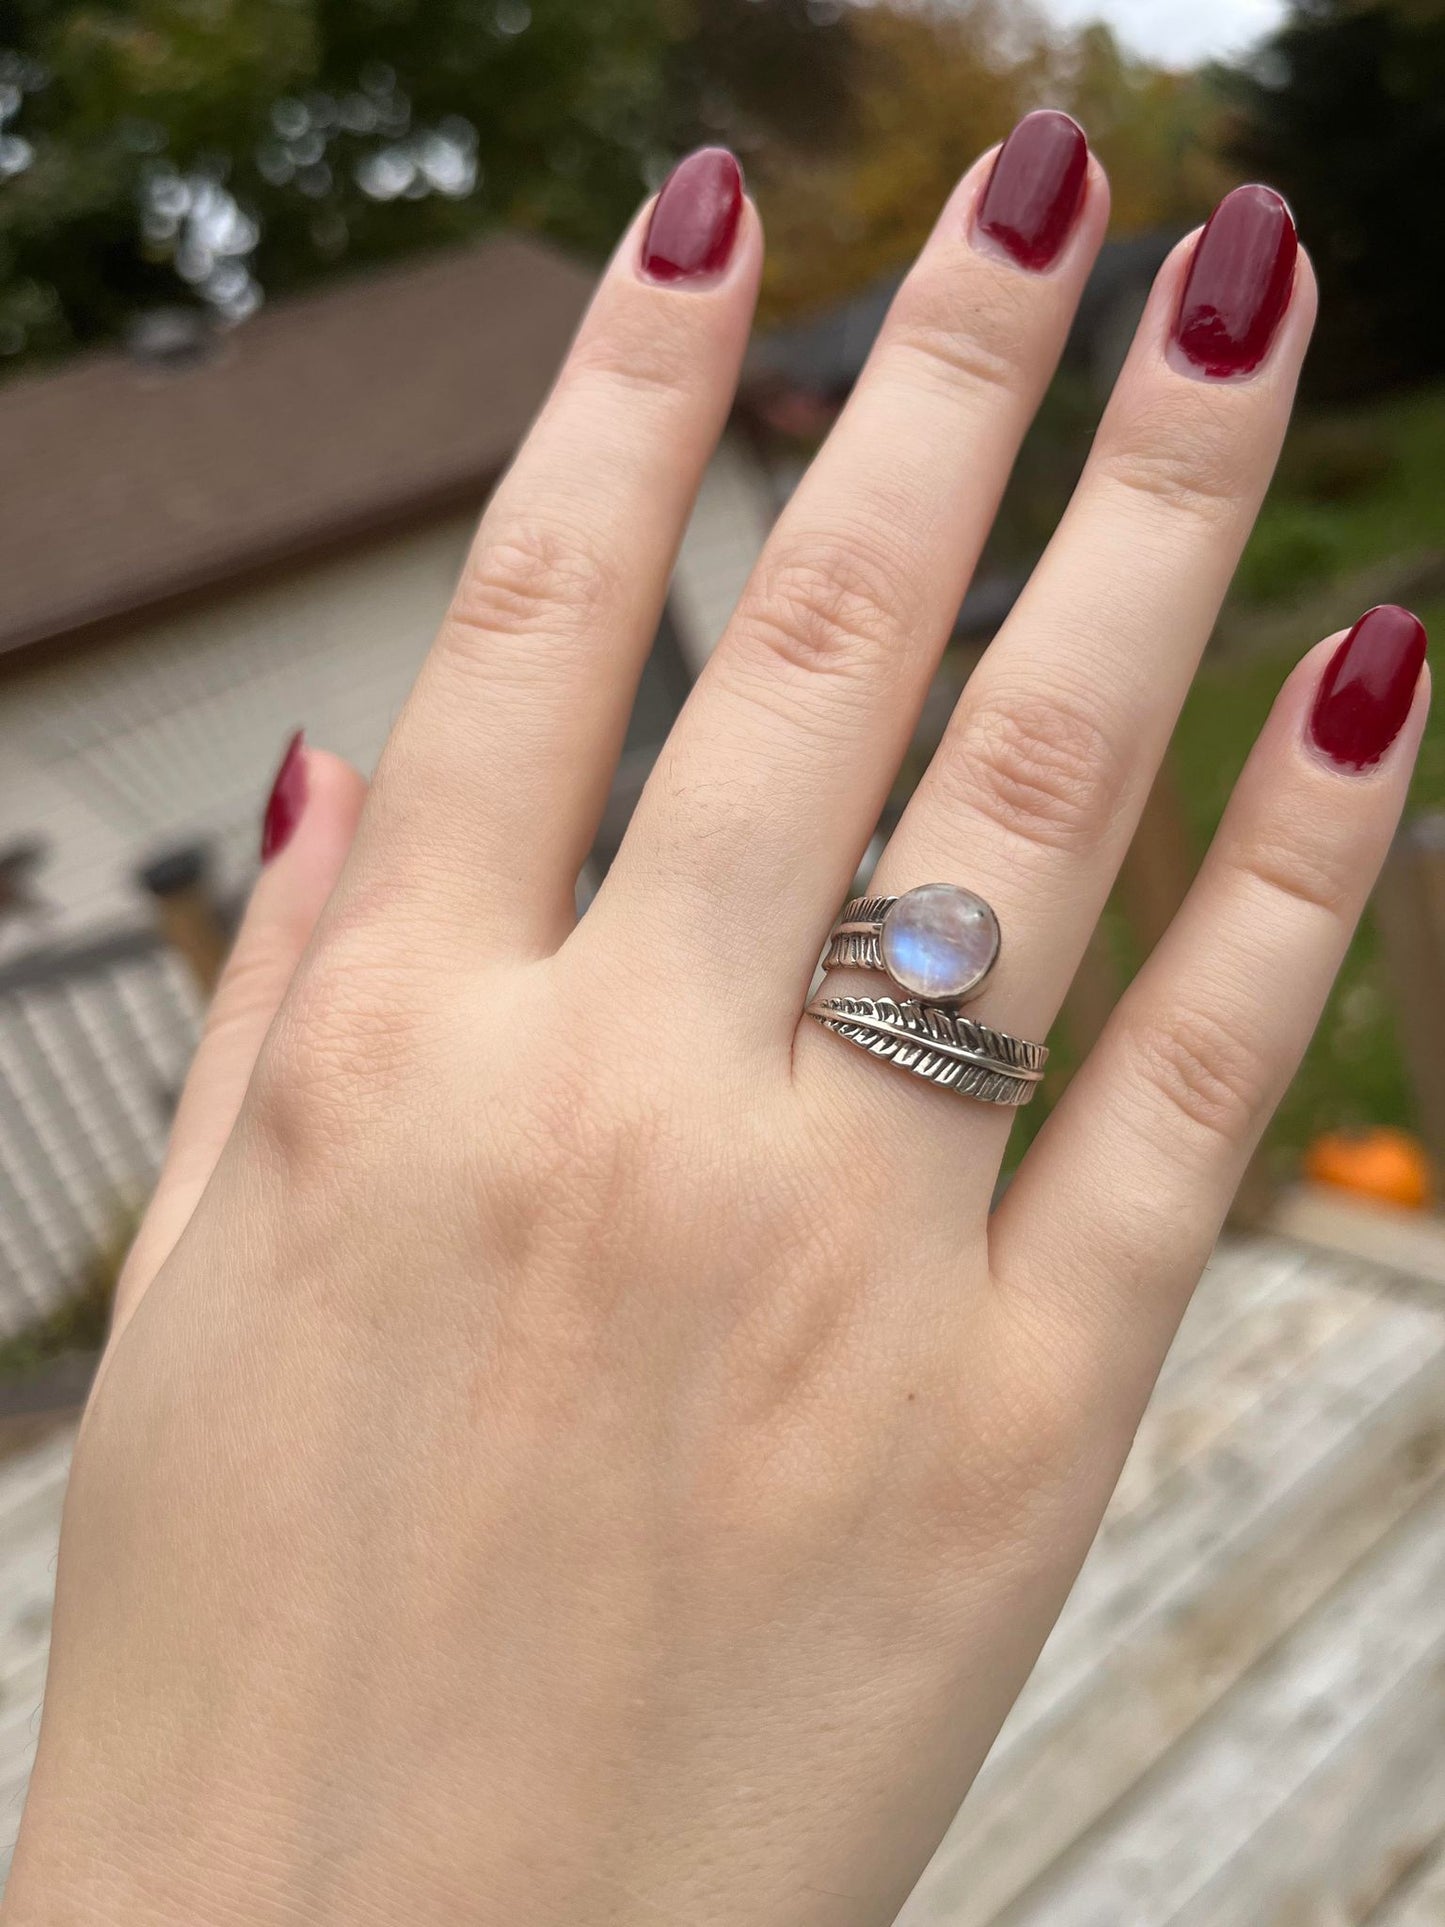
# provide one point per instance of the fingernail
(1368, 686)
(286, 801)
(1036, 188)
(695, 218)
(1238, 285)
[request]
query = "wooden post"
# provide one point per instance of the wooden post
(1410, 914)
(189, 918)
(1097, 986)
(1153, 879)
(1157, 872)
(1255, 1195)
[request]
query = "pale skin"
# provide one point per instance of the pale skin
(577, 1444)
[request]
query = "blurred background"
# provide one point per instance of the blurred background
(281, 284)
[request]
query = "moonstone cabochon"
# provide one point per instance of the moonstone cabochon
(939, 941)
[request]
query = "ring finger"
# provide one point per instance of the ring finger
(1038, 785)
(773, 778)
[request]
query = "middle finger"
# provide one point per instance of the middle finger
(775, 773)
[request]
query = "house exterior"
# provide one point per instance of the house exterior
(203, 552)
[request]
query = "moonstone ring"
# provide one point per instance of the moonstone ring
(938, 941)
(938, 944)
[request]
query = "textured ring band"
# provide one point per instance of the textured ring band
(938, 943)
(943, 1045)
(855, 940)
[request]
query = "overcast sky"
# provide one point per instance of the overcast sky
(1177, 32)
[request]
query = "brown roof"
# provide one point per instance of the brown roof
(323, 417)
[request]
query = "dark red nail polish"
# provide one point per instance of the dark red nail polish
(1366, 691)
(1239, 283)
(1036, 188)
(695, 218)
(286, 801)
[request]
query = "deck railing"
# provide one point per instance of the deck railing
(94, 1041)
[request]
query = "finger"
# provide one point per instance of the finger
(309, 824)
(1115, 1209)
(1038, 785)
(489, 792)
(772, 782)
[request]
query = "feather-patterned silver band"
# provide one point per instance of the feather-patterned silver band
(856, 941)
(939, 1043)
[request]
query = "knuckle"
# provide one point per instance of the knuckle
(1202, 1072)
(831, 611)
(577, 1170)
(1295, 861)
(344, 1040)
(1005, 1463)
(979, 348)
(534, 580)
(1037, 767)
(646, 355)
(1192, 463)
(569, 1157)
(278, 1107)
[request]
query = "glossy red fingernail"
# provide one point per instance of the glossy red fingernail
(1366, 691)
(695, 218)
(1239, 283)
(286, 801)
(1036, 188)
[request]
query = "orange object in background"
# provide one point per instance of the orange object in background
(1387, 1165)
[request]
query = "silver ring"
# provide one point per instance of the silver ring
(943, 1045)
(938, 942)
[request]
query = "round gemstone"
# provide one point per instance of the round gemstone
(939, 941)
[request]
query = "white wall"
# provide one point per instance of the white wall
(172, 731)
(734, 511)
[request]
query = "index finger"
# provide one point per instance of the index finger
(488, 794)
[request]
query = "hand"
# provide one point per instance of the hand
(576, 1446)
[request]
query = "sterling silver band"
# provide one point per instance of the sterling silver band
(940, 1044)
(856, 941)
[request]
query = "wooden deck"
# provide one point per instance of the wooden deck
(1240, 1718)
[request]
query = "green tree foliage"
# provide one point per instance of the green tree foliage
(936, 82)
(1154, 129)
(1344, 110)
(212, 151)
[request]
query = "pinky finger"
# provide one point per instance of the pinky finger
(1114, 1212)
(309, 824)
